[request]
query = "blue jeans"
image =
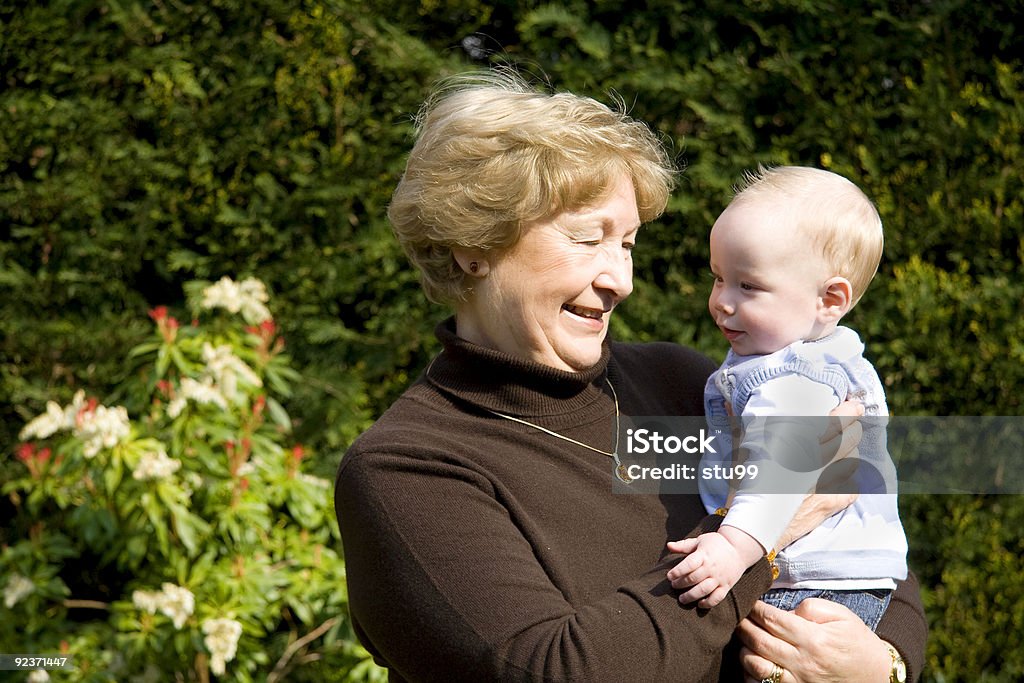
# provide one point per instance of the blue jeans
(869, 605)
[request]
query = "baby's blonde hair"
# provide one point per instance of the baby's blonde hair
(840, 221)
(493, 155)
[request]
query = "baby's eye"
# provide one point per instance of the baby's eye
(629, 246)
(747, 286)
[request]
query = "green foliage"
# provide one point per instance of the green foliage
(188, 540)
(147, 145)
(966, 551)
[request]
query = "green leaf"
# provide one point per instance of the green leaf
(278, 415)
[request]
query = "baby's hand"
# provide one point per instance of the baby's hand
(712, 567)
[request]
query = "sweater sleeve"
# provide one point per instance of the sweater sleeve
(785, 449)
(904, 625)
(444, 586)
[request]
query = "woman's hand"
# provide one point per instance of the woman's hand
(838, 442)
(819, 642)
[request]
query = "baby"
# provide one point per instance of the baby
(791, 255)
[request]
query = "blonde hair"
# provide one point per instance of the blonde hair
(837, 217)
(493, 155)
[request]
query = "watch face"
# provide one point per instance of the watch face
(901, 671)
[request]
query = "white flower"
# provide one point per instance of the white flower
(38, 676)
(254, 295)
(55, 419)
(223, 294)
(72, 410)
(227, 369)
(147, 601)
(175, 407)
(17, 588)
(247, 297)
(178, 603)
(156, 465)
(44, 425)
(101, 428)
(222, 641)
(219, 383)
(173, 601)
(198, 391)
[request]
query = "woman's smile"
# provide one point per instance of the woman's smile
(558, 285)
(596, 314)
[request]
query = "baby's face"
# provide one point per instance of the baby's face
(768, 282)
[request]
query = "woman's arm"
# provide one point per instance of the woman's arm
(822, 641)
(444, 585)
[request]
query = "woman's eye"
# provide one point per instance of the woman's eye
(628, 246)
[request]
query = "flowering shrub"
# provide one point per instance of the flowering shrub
(184, 541)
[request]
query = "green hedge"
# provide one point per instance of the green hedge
(148, 144)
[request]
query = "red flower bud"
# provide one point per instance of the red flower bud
(89, 407)
(25, 452)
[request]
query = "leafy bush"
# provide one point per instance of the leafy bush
(183, 538)
(150, 145)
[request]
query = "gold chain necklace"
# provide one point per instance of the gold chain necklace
(620, 470)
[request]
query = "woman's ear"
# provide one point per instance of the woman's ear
(836, 299)
(472, 261)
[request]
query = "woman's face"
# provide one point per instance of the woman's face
(549, 297)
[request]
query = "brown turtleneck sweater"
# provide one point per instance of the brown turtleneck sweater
(481, 549)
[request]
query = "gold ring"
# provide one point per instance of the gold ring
(775, 676)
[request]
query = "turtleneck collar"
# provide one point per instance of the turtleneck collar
(508, 384)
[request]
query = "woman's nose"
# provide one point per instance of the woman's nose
(616, 275)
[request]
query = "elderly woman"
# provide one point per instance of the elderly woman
(483, 540)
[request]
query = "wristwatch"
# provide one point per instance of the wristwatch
(898, 670)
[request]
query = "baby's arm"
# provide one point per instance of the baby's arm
(714, 563)
(781, 423)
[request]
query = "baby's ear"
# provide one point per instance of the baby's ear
(836, 299)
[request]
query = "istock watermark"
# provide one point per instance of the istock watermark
(693, 472)
(905, 455)
(642, 441)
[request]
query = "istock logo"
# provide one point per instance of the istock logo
(648, 441)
